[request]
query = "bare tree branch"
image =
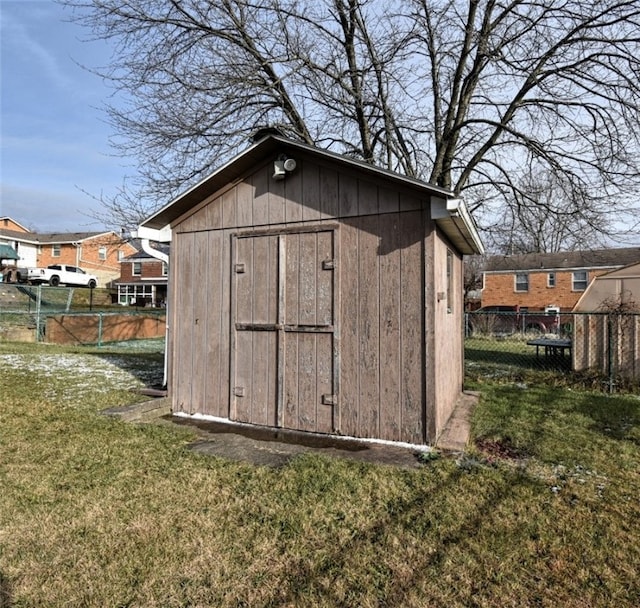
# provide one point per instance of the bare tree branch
(479, 96)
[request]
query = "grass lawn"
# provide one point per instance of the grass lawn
(97, 512)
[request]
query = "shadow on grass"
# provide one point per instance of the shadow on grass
(423, 513)
(553, 423)
(524, 360)
(5, 592)
(614, 417)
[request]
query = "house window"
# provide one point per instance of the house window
(165, 269)
(120, 255)
(131, 294)
(102, 253)
(551, 279)
(579, 282)
(136, 269)
(522, 282)
(55, 250)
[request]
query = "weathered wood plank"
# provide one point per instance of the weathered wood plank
(229, 211)
(324, 383)
(348, 195)
(330, 204)
(390, 288)
(242, 273)
(263, 399)
(277, 201)
(388, 200)
(325, 272)
(225, 327)
(307, 391)
(367, 197)
(307, 279)
(291, 377)
(264, 288)
(183, 328)
(411, 307)
(292, 279)
(350, 337)
(200, 256)
(244, 198)
(215, 398)
(260, 181)
(411, 203)
(213, 214)
(293, 196)
(369, 338)
(311, 209)
(242, 389)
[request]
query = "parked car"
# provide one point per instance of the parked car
(58, 274)
(504, 319)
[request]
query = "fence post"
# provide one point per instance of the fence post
(610, 346)
(38, 312)
(99, 329)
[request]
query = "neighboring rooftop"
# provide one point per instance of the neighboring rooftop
(52, 237)
(595, 258)
(140, 254)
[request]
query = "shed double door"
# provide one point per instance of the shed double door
(283, 359)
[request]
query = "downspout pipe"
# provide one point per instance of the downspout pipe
(146, 235)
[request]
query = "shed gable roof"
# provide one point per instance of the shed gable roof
(454, 221)
(564, 260)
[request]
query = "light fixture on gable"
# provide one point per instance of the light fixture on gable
(283, 165)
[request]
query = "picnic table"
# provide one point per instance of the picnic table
(553, 347)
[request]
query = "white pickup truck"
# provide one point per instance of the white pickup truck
(57, 274)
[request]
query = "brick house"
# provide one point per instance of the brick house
(98, 253)
(6, 223)
(538, 280)
(143, 278)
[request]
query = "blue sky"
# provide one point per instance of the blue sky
(54, 139)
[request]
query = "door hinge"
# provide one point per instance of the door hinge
(328, 264)
(329, 399)
(238, 391)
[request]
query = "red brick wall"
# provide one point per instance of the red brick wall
(150, 269)
(68, 255)
(500, 289)
(87, 255)
(90, 329)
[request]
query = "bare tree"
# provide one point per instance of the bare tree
(548, 214)
(469, 95)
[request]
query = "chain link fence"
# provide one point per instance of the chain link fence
(72, 315)
(595, 350)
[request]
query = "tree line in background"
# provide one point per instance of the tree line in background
(527, 109)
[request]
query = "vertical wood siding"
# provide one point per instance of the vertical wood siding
(379, 304)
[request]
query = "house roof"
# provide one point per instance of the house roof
(140, 254)
(8, 253)
(68, 237)
(52, 237)
(595, 258)
(4, 218)
(455, 222)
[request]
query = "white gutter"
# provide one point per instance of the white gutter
(454, 219)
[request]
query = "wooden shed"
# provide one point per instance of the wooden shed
(313, 292)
